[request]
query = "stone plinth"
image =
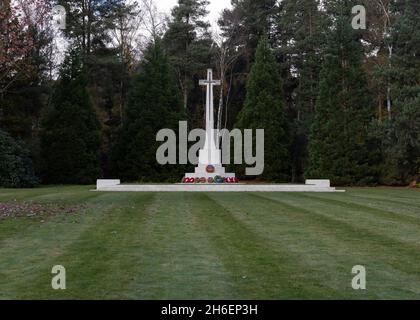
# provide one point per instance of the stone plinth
(217, 188)
(201, 172)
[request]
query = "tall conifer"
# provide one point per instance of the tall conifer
(264, 110)
(154, 103)
(70, 136)
(338, 147)
(402, 134)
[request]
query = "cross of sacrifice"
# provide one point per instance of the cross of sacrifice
(211, 152)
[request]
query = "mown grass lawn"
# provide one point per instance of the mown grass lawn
(213, 246)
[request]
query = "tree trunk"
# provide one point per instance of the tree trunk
(388, 91)
(89, 28)
(185, 98)
(228, 99)
(380, 108)
(220, 111)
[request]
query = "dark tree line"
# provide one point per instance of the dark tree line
(335, 102)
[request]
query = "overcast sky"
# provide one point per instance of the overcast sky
(215, 8)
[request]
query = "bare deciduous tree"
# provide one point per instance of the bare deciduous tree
(226, 54)
(154, 22)
(381, 20)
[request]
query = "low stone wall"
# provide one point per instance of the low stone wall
(320, 187)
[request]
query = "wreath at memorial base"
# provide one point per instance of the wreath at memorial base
(217, 179)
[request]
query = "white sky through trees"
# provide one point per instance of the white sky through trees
(215, 8)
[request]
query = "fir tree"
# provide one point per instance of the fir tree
(70, 137)
(402, 138)
(264, 110)
(300, 33)
(246, 22)
(153, 104)
(338, 147)
(188, 42)
(242, 26)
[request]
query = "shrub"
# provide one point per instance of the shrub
(16, 169)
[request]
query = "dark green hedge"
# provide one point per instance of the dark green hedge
(16, 169)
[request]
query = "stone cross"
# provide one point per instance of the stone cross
(210, 164)
(211, 152)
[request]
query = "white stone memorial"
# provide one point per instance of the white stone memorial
(210, 166)
(315, 186)
(210, 156)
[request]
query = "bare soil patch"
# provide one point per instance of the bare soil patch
(17, 209)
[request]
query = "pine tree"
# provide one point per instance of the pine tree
(300, 34)
(402, 138)
(70, 137)
(154, 103)
(339, 135)
(104, 33)
(89, 21)
(188, 43)
(264, 110)
(246, 23)
(242, 26)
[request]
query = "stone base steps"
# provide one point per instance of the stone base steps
(105, 186)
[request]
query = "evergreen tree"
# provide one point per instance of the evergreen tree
(88, 22)
(104, 32)
(402, 138)
(242, 26)
(264, 110)
(188, 42)
(70, 137)
(247, 22)
(16, 169)
(26, 43)
(339, 135)
(300, 35)
(153, 104)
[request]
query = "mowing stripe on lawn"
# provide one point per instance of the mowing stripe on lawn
(178, 260)
(261, 272)
(350, 228)
(49, 194)
(411, 205)
(401, 217)
(212, 246)
(317, 262)
(389, 193)
(384, 257)
(144, 248)
(96, 261)
(384, 222)
(25, 194)
(395, 250)
(381, 203)
(28, 258)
